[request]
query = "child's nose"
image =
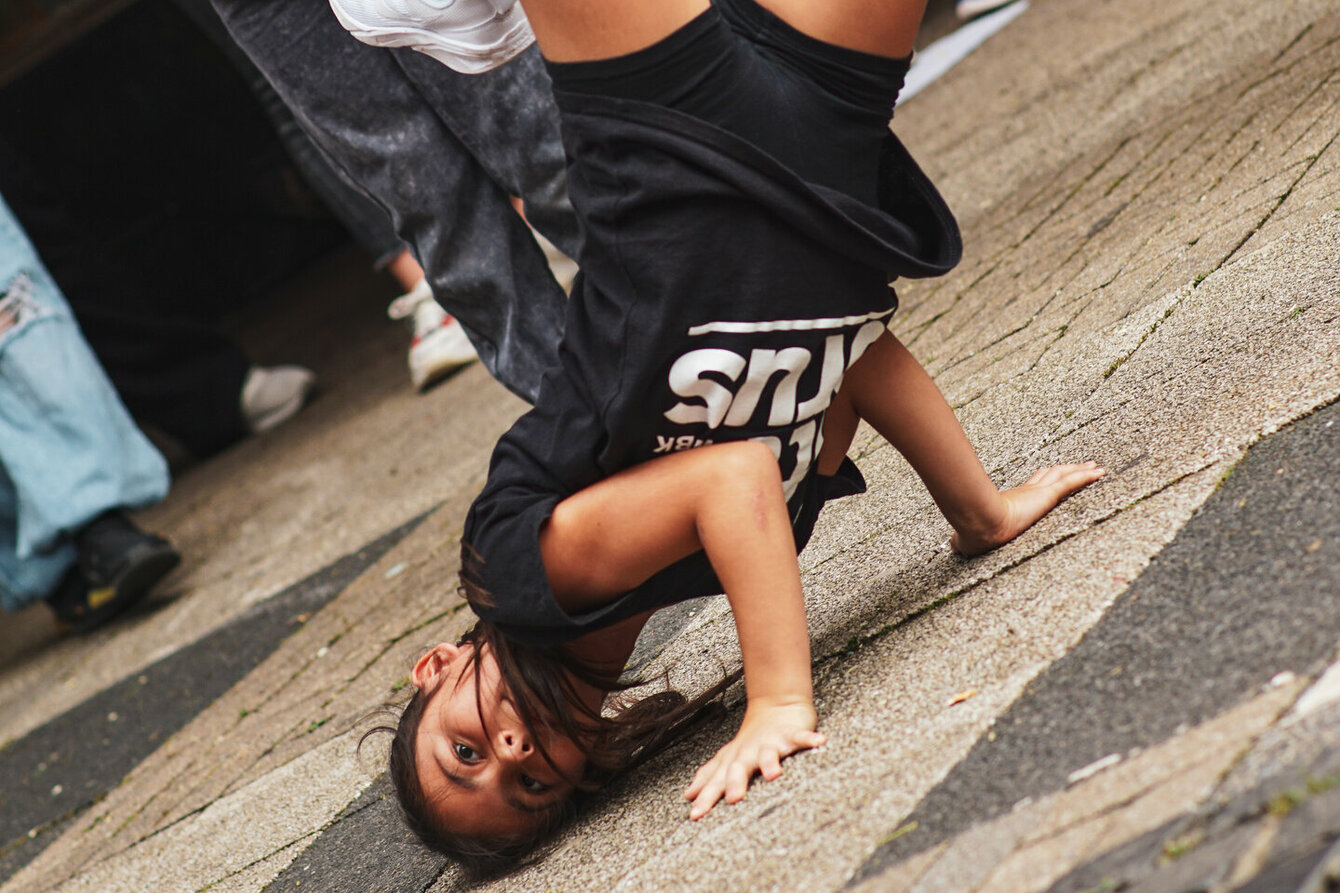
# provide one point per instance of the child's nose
(516, 744)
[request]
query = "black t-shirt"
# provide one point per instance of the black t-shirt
(721, 298)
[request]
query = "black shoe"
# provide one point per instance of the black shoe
(118, 565)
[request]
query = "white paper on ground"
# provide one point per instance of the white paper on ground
(949, 51)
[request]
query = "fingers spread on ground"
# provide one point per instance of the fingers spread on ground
(1079, 477)
(770, 765)
(1037, 477)
(705, 774)
(705, 801)
(737, 782)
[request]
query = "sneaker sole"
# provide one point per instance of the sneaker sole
(456, 57)
(431, 375)
(438, 354)
(285, 411)
(146, 565)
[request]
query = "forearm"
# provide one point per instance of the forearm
(747, 536)
(746, 531)
(726, 500)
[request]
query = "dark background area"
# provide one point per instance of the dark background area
(141, 128)
(138, 124)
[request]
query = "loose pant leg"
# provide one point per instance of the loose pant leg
(365, 220)
(511, 128)
(442, 152)
(25, 580)
(68, 448)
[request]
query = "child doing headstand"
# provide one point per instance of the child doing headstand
(744, 207)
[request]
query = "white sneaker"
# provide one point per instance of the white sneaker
(563, 268)
(971, 9)
(440, 344)
(271, 395)
(469, 36)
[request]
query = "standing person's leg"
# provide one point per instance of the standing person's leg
(171, 370)
(508, 122)
(24, 580)
(366, 221)
(394, 142)
(177, 375)
(70, 455)
(439, 344)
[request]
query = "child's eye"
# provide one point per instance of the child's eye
(465, 753)
(535, 787)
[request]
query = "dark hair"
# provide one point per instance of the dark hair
(541, 684)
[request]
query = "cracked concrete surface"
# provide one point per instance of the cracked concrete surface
(1150, 198)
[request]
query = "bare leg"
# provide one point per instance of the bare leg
(405, 269)
(582, 30)
(888, 388)
(882, 27)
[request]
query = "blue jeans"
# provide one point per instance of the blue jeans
(69, 451)
(441, 152)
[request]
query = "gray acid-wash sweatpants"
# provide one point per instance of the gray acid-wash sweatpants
(442, 152)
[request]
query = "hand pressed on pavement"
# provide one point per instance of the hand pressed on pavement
(770, 733)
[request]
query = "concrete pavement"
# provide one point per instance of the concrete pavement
(1137, 692)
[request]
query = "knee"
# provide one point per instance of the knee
(745, 465)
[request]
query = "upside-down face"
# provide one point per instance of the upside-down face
(478, 764)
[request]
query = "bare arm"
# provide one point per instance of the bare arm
(727, 500)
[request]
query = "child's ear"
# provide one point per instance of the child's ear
(433, 664)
